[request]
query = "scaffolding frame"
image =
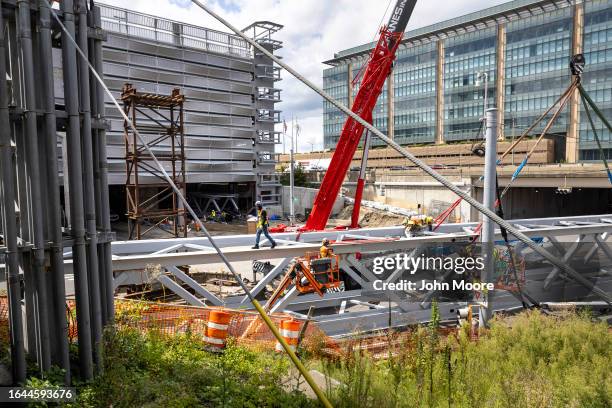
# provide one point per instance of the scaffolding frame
(151, 202)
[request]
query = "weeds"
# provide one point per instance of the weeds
(529, 360)
(534, 361)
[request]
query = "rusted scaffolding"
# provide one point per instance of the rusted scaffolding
(151, 201)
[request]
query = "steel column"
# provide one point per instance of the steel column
(75, 172)
(41, 301)
(58, 306)
(89, 201)
(488, 227)
(7, 178)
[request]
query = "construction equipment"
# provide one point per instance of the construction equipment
(376, 72)
(309, 274)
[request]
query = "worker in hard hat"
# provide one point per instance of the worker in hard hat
(429, 222)
(325, 251)
(416, 224)
(262, 225)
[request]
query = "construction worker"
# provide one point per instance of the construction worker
(325, 251)
(417, 223)
(262, 226)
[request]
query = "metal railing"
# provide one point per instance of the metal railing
(133, 24)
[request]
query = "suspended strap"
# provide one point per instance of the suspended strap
(566, 96)
(602, 154)
(538, 120)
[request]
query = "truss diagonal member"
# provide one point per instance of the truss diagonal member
(277, 270)
(285, 300)
(370, 278)
(593, 249)
(556, 244)
(120, 280)
(605, 248)
(427, 298)
(419, 163)
(189, 281)
(168, 249)
(180, 291)
(198, 247)
(568, 255)
(400, 271)
(346, 267)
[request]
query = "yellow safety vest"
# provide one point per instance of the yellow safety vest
(260, 221)
(324, 251)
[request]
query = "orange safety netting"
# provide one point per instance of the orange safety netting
(246, 327)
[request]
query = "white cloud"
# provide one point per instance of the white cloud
(313, 31)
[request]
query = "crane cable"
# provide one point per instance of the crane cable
(322, 398)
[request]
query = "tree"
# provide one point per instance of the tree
(299, 176)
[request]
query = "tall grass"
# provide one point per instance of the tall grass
(529, 360)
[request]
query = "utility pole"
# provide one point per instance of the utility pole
(284, 134)
(291, 180)
(488, 226)
(485, 76)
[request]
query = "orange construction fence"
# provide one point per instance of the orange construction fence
(213, 325)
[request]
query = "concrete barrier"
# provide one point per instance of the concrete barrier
(304, 198)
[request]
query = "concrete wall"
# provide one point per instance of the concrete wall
(303, 199)
(431, 196)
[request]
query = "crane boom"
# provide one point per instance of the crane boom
(376, 72)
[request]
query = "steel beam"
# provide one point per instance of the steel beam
(180, 291)
(278, 269)
(194, 285)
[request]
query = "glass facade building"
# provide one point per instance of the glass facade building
(597, 80)
(523, 46)
(414, 91)
(464, 57)
(538, 49)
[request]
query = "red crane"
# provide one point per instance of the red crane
(376, 72)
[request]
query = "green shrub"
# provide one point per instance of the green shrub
(153, 370)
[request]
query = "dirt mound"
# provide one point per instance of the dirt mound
(373, 218)
(369, 217)
(346, 212)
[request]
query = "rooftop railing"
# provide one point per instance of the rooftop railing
(143, 26)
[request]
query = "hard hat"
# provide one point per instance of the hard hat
(325, 241)
(257, 203)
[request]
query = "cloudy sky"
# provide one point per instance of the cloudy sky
(313, 31)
